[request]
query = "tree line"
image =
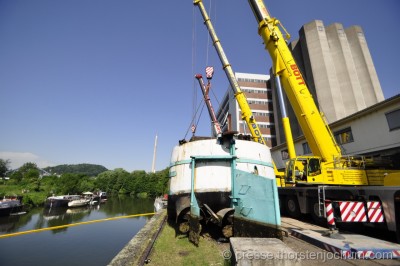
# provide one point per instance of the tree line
(36, 187)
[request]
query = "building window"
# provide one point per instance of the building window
(344, 136)
(393, 119)
(306, 148)
(285, 154)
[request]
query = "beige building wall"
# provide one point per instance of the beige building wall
(338, 70)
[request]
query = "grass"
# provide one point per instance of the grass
(173, 250)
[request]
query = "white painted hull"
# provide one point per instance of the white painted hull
(79, 203)
(215, 176)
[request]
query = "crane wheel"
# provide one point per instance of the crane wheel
(292, 207)
(314, 208)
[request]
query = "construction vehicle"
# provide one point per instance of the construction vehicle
(310, 180)
(327, 175)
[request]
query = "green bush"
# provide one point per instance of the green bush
(142, 195)
(34, 199)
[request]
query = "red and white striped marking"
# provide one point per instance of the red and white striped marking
(343, 253)
(396, 253)
(375, 214)
(329, 213)
(352, 211)
(209, 72)
(365, 254)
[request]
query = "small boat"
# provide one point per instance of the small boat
(160, 203)
(60, 201)
(103, 196)
(10, 205)
(87, 198)
(79, 202)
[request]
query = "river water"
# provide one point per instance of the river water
(87, 244)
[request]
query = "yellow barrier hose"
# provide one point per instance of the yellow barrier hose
(75, 224)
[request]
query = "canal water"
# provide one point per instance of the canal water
(87, 244)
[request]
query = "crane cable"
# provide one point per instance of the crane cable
(195, 110)
(194, 98)
(208, 42)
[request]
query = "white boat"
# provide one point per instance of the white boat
(160, 203)
(79, 202)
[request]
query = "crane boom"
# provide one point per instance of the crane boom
(314, 128)
(247, 114)
(205, 89)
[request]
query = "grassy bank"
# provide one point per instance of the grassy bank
(29, 198)
(170, 249)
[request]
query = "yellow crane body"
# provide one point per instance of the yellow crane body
(333, 167)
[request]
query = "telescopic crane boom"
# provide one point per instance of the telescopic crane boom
(240, 97)
(315, 129)
(247, 114)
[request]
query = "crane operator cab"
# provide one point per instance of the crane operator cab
(301, 168)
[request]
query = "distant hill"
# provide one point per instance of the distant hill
(84, 168)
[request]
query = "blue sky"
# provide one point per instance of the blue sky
(95, 81)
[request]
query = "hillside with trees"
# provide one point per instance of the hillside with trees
(27, 181)
(84, 168)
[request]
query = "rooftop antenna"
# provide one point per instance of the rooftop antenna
(153, 166)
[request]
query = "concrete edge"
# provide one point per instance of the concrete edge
(135, 252)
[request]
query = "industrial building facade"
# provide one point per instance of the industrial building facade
(373, 131)
(339, 71)
(259, 97)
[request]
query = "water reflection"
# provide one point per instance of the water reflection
(87, 244)
(49, 217)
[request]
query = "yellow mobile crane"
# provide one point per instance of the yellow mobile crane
(341, 179)
(328, 165)
(328, 174)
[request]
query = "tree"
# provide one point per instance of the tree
(26, 167)
(70, 183)
(4, 167)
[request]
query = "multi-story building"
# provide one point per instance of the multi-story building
(259, 97)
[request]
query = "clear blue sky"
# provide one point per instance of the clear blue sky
(94, 81)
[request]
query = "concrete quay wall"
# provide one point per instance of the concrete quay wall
(136, 251)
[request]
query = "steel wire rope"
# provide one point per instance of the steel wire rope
(202, 104)
(194, 59)
(208, 42)
(194, 97)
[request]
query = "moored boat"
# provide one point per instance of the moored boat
(60, 201)
(10, 205)
(103, 196)
(87, 198)
(79, 202)
(160, 203)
